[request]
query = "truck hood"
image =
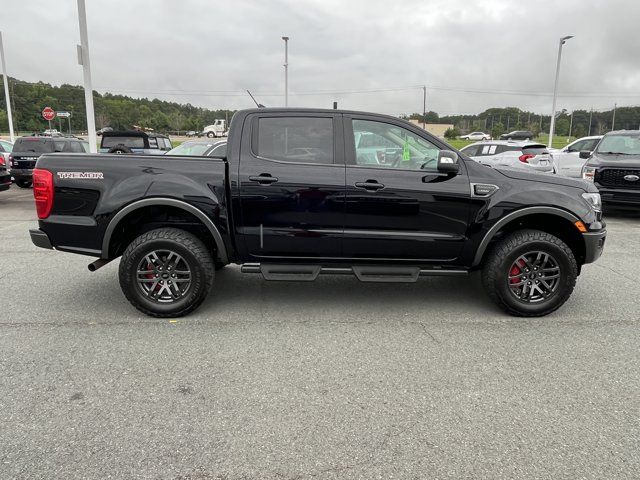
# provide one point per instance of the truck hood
(546, 178)
(615, 161)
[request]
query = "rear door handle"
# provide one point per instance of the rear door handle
(264, 179)
(370, 185)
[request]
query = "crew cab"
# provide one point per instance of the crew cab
(295, 197)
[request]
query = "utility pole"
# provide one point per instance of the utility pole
(424, 107)
(590, 117)
(613, 122)
(6, 90)
(286, 71)
(571, 124)
(555, 89)
(83, 59)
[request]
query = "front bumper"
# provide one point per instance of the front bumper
(22, 173)
(594, 245)
(40, 239)
(619, 196)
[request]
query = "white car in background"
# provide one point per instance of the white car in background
(476, 136)
(520, 154)
(5, 152)
(568, 159)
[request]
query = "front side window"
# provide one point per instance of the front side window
(391, 146)
(153, 142)
(295, 139)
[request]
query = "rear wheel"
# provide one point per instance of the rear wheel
(530, 273)
(23, 183)
(166, 272)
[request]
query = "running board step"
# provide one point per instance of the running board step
(364, 273)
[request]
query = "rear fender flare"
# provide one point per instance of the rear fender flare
(172, 202)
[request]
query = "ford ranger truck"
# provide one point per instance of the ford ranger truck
(297, 196)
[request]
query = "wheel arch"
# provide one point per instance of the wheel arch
(531, 217)
(170, 202)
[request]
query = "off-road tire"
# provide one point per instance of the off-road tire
(194, 253)
(500, 259)
(121, 150)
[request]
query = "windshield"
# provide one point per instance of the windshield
(190, 149)
(620, 144)
(35, 145)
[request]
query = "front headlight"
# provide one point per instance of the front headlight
(589, 173)
(593, 199)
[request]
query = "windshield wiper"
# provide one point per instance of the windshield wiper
(617, 153)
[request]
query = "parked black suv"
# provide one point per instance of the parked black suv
(296, 196)
(517, 135)
(134, 142)
(614, 167)
(26, 151)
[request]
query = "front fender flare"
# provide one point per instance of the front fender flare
(172, 202)
(512, 216)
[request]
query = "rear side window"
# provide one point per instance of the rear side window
(153, 142)
(35, 145)
(487, 150)
(131, 142)
(295, 139)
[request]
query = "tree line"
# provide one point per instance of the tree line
(120, 112)
(501, 120)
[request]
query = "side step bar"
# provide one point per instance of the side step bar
(364, 273)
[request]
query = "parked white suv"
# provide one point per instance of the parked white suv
(476, 136)
(524, 155)
(568, 159)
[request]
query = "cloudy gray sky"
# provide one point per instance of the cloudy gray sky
(471, 54)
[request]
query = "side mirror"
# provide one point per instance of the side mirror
(584, 154)
(448, 162)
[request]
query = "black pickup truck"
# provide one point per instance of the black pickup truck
(296, 197)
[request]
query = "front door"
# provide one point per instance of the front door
(291, 181)
(398, 206)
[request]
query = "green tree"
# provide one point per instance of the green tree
(497, 130)
(451, 133)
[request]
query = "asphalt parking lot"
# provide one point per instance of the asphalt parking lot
(332, 379)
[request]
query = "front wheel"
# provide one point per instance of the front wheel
(530, 273)
(166, 272)
(211, 134)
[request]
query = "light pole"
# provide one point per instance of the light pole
(555, 89)
(83, 59)
(6, 90)
(286, 71)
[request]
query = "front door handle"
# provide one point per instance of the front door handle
(370, 185)
(264, 179)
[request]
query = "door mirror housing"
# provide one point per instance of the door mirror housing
(585, 154)
(448, 162)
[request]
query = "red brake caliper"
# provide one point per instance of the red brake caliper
(516, 270)
(151, 275)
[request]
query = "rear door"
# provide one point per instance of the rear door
(402, 207)
(291, 185)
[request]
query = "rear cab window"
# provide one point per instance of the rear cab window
(33, 145)
(535, 149)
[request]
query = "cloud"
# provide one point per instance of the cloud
(471, 55)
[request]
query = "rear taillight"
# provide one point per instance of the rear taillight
(43, 191)
(2, 162)
(524, 158)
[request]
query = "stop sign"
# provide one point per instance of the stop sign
(48, 113)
